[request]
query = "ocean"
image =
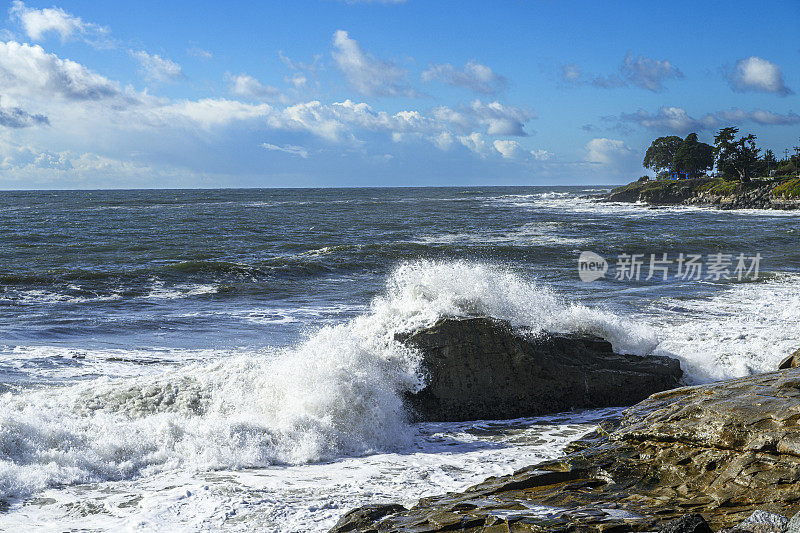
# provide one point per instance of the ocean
(225, 359)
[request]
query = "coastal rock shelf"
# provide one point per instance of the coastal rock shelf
(480, 368)
(725, 450)
(775, 194)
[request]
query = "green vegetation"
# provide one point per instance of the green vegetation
(687, 156)
(788, 189)
(735, 159)
(721, 187)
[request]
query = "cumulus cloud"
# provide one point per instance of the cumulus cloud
(288, 149)
(475, 143)
(474, 76)
(648, 73)
(247, 86)
(606, 151)
(759, 116)
(677, 120)
(500, 119)
(38, 22)
(672, 119)
(640, 71)
(157, 68)
(367, 74)
(612, 81)
(508, 149)
(16, 117)
(27, 70)
(496, 118)
(757, 74)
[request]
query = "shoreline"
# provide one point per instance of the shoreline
(727, 450)
(775, 194)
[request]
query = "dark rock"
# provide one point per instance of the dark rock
(688, 523)
(793, 361)
(480, 368)
(726, 449)
(364, 518)
(705, 192)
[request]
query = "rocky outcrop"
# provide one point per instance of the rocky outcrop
(724, 450)
(480, 368)
(706, 192)
(793, 361)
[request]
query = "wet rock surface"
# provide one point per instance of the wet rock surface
(480, 368)
(723, 450)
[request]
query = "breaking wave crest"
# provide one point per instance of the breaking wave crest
(337, 393)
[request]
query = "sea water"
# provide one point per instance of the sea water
(180, 360)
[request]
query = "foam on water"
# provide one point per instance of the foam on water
(743, 330)
(337, 393)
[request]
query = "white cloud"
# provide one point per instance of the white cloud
(508, 149)
(208, 113)
(247, 86)
(606, 151)
(200, 53)
(38, 22)
(640, 71)
(369, 75)
(288, 149)
(571, 73)
(97, 126)
(16, 117)
(474, 76)
(648, 73)
(756, 74)
(27, 71)
(672, 119)
(541, 155)
(677, 120)
(444, 141)
(157, 68)
(496, 118)
(500, 119)
(475, 143)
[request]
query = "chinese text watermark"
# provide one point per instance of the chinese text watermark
(663, 267)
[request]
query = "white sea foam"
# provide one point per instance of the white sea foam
(745, 329)
(338, 393)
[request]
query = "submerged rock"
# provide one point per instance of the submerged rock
(726, 450)
(480, 368)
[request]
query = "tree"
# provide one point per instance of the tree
(736, 159)
(661, 153)
(693, 157)
(768, 162)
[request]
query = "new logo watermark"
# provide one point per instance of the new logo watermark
(663, 267)
(591, 266)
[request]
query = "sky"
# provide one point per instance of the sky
(330, 93)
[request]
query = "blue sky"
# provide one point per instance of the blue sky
(393, 93)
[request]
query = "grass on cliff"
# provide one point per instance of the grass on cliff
(666, 185)
(789, 189)
(784, 188)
